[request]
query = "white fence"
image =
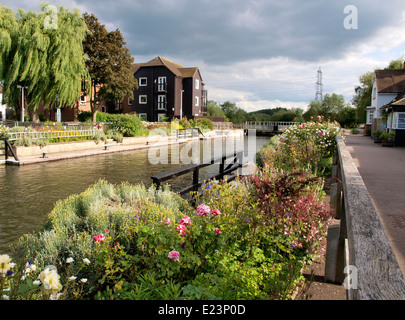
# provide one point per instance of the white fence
(13, 136)
(269, 125)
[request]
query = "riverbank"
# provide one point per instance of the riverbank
(63, 151)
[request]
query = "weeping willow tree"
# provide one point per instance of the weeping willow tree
(43, 52)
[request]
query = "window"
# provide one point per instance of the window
(370, 117)
(82, 99)
(196, 101)
(143, 99)
(129, 101)
(161, 83)
(401, 120)
(161, 117)
(161, 102)
(143, 116)
(143, 81)
(197, 84)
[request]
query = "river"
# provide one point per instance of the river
(28, 193)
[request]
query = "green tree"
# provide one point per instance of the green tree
(334, 107)
(234, 113)
(42, 51)
(214, 110)
(362, 98)
(109, 64)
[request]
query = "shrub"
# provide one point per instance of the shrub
(3, 130)
(309, 146)
(204, 123)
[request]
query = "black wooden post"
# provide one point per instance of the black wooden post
(196, 173)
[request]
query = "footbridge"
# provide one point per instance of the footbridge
(267, 127)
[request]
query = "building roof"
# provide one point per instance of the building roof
(390, 81)
(175, 68)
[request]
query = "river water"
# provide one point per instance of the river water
(28, 193)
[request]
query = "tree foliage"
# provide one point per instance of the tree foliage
(334, 107)
(233, 113)
(46, 58)
(109, 64)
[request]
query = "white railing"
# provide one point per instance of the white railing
(269, 125)
(13, 136)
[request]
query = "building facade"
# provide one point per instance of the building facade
(168, 90)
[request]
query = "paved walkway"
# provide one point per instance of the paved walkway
(383, 172)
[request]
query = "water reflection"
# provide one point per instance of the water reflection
(28, 193)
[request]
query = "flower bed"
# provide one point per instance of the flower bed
(248, 239)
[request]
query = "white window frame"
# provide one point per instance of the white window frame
(143, 96)
(141, 79)
(370, 114)
(162, 82)
(143, 116)
(83, 101)
(398, 120)
(161, 101)
(197, 101)
(197, 84)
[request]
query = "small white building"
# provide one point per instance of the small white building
(387, 84)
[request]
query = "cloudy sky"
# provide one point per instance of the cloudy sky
(258, 53)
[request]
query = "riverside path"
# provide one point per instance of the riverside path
(383, 173)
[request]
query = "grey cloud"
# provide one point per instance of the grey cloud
(223, 32)
(228, 31)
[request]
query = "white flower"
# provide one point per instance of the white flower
(69, 260)
(83, 280)
(6, 297)
(50, 280)
(5, 261)
(28, 270)
(72, 278)
(36, 282)
(86, 261)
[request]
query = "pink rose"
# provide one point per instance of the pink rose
(99, 238)
(320, 133)
(203, 210)
(215, 212)
(166, 221)
(218, 231)
(181, 229)
(185, 220)
(175, 255)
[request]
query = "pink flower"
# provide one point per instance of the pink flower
(166, 221)
(281, 140)
(175, 255)
(185, 220)
(320, 133)
(181, 229)
(215, 212)
(218, 231)
(203, 210)
(99, 238)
